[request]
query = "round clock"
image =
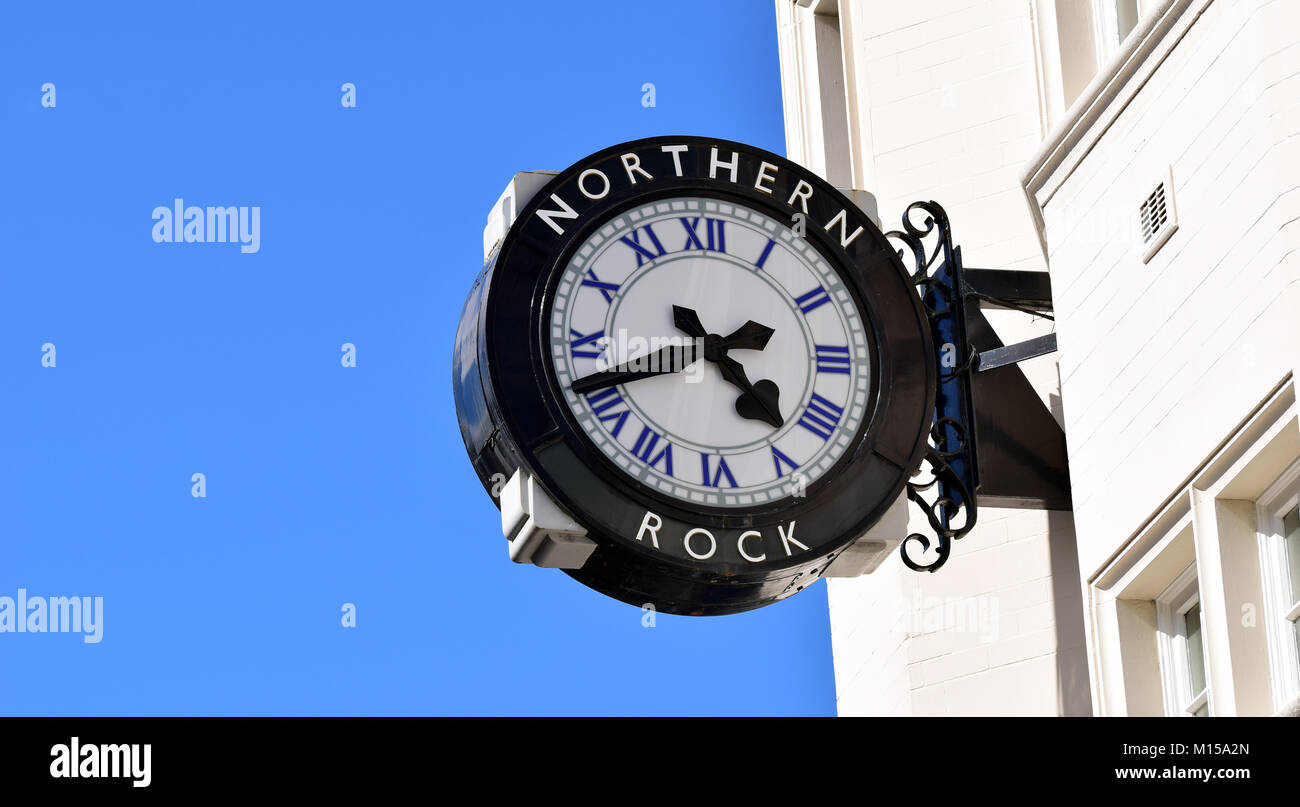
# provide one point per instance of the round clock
(709, 359)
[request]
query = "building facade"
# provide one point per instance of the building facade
(1146, 154)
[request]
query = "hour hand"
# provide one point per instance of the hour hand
(759, 400)
(671, 359)
(750, 336)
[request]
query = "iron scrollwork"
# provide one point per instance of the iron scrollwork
(937, 273)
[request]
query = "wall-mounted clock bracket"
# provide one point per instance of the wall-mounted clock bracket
(993, 441)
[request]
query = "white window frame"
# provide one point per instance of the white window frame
(1175, 674)
(1281, 609)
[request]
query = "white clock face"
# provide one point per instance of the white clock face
(761, 406)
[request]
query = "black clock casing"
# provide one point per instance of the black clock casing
(512, 413)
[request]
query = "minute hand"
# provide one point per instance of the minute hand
(671, 359)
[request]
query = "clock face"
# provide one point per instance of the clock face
(710, 353)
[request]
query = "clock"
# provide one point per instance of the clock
(708, 359)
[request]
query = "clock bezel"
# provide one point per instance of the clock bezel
(532, 426)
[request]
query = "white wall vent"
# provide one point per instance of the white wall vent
(1157, 217)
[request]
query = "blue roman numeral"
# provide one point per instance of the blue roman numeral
(714, 234)
(767, 250)
(821, 417)
(832, 359)
(778, 458)
(606, 289)
(643, 254)
(645, 445)
(813, 299)
(585, 339)
(603, 401)
(721, 471)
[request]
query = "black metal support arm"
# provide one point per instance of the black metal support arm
(1014, 354)
(1010, 288)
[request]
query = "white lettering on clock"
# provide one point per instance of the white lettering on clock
(803, 192)
(740, 545)
(713, 543)
(592, 172)
(632, 164)
(646, 526)
(676, 151)
(715, 164)
(788, 538)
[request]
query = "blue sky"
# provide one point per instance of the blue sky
(325, 485)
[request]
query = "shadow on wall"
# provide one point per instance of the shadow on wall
(1073, 690)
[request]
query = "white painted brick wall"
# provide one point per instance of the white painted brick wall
(1160, 361)
(950, 634)
(950, 97)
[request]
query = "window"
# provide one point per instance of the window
(1189, 625)
(1182, 648)
(1279, 560)
(819, 85)
(1113, 21)
(1291, 547)
(1073, 41)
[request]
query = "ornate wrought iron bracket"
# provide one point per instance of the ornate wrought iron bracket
(1026, 456)
(951, 456)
